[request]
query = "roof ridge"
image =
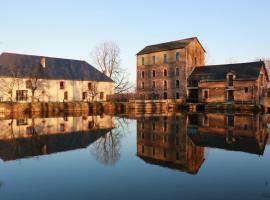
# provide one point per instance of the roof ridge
(228, 64)
(21, 54)
(171, 41)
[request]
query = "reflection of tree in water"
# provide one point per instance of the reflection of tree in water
(106, 149)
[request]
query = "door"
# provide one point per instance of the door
(230, 95)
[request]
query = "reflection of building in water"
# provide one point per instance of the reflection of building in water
(245, 133)
(163, 141)
(21, 138)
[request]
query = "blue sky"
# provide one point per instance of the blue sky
(232, 30)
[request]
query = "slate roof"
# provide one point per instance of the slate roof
(178, 44)
(26, 66)
(242, 71)
(242, 143)
(33, 146)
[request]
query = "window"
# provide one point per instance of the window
(153, 126)
(101, 96)
(165, 58)
(165, 95)
(84, 95)
(62, 85)
(177, 56)
(205, 94)
(28, 84)
(165, 139)
(177, 128)
(164, 153)
(261, 80)
(142, 135)
(89, 86)
(154, 84)
(154, 151)
(21, 122)
(165, 126)
(91, 124)
(142, 60)
(154, 73)
(177, 71)
(142, 149)
(177, 95)
(230, 120)
(66, 95)
(21, 95)
(230, 80)
(246, 89)
(142, 74)
(153, 60)
(195, 61)
(62, 127)
(142, 85)
(65, 118)
(177, 83)
(30, 130)
(165, 72)
(165, 85)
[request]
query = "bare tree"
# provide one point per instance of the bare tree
(107, 148)
(35, 82)
(93, 91)
(8, 85)
(107, 57)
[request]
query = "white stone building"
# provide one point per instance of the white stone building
(26, 78)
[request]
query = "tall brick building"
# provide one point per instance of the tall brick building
(162, 69)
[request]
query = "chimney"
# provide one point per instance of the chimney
(43, 62)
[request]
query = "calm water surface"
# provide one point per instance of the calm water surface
(176, 156)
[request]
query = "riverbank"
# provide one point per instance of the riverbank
(149, 106)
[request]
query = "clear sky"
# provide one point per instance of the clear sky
(230, 30)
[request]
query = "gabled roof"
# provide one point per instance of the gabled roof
(212, 140)
(178, 44)
(242, 71)
(26, 66)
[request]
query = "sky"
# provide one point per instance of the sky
(230, 30)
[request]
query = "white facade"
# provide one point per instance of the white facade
(54, 90)
(22, 128)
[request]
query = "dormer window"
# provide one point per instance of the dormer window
(165, 58)
(230, 80)
(154, 60)
(177, 56)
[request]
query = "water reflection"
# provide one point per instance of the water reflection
(163, 140)
(245, 132)
(27, 137)
(106, 149)
(179, 141)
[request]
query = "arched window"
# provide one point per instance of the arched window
(165, 85)
(154, 73)
(165, 95)
(177, 83)
(165, 72)
(142, 74)
(154, 84)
